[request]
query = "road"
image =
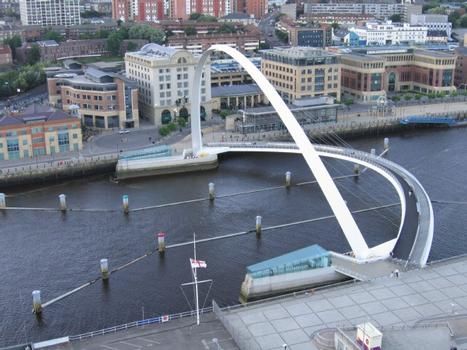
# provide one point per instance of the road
(267, 27)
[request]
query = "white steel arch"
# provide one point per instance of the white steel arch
(327, 185)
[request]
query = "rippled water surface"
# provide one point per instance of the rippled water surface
(57, 252)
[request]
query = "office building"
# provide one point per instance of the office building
(103, 100)
(165, 76)
(378, 10)
(301, 72)
(460, 78)
(388, 33)
(306, 33)
(38, 133)
(372, 72)
(228, 72)
(48, 13)
(434, 23)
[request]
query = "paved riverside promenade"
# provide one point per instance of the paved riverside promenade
(434, 294)
(421, 309)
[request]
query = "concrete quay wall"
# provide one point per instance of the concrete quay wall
(57, 170)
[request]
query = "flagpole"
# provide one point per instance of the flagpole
(196, 281)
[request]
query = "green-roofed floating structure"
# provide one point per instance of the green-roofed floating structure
(301, 269)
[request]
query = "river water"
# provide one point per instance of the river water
(56, 252)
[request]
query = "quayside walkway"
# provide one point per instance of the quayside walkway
(426, 306)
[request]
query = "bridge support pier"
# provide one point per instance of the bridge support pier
(258, 226)
(386, 143)
(105, 269)
(288, 178)
(161, 243)
(356, 170)
(36, 301)
(125, 203)
(62, 202)
(212, 191)
(2, 201)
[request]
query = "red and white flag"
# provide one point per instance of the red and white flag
(197, 264)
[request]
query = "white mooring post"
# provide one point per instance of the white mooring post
(373, 152)
(386, 143)
(288, 178)
(258, 226)
(356, 169)
(62, 202)
(105, 269)
(161, 242)
(36, 301)
(125, 203)
(212, 191)
(2, 201)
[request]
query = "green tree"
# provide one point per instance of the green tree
(13, 42)
(114, 41)
(195, 16)
(437, 11)
(227, 28)
(33, 55)
(53, 35)
(190, 31)
(335, 25)
(282, 36)
(454, 17)
(145, 31)
(131, 46)
(396, 18)
(463, 21)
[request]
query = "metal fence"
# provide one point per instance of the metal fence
(153, 320)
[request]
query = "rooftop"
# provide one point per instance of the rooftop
(298, 52)
(235, 90)
(28, 118)
(230, 65)
(155, 50)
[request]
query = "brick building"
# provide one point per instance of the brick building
(461, 67)
(5, 55)
(182, 9)
(103, 100)
(38, 133)
(370, 73)
(246, 39)
(255, 8)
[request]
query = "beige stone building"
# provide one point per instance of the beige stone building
(302, 72)
(373, 72)
(164, 77)
(38, 133)
(102, 100)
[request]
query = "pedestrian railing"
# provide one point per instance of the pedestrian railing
(148, 321)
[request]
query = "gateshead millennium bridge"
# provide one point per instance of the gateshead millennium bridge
(415, 234)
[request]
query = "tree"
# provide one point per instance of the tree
(335, 25)
(191, 31)
(194, 16)
(454, 17)
(33, 54)
(437, 11)
(13, 42)
(114, 41)
(145, 31)
(131, 46)
(53, 35)
(227, 28)
(396, 18)
(463, 21)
